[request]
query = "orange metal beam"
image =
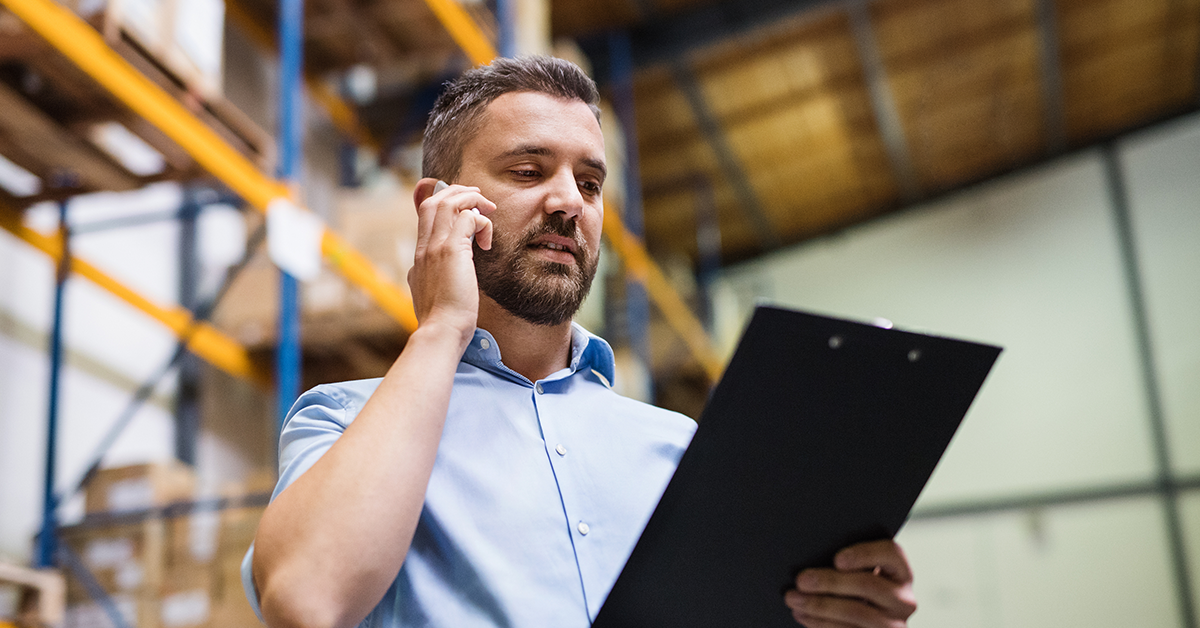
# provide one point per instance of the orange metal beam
(83, 45)
(641, 267)
(463, 30)
(80, 43)
(202, 339)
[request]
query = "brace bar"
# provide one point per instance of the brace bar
(205, 340)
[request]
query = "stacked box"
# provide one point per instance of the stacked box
(151, 584)
(230, 608)
(165, 572)
(237, 529)
(155, 569)
(186, 37)
(380, 223)
(140, 486)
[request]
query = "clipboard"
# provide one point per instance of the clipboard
(821, 434)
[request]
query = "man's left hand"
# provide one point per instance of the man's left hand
(870, 586)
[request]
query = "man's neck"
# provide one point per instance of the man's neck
(534, 351)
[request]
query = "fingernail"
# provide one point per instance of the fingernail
(809, 580)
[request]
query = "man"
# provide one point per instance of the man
(492, 478)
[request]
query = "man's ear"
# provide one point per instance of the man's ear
(423, 190)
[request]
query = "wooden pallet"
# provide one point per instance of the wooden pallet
(53, 109)
(49, 589)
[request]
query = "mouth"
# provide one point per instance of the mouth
(555, 248)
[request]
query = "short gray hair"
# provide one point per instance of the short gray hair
(456, 115)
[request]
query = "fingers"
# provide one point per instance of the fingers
(870, 587)
(448, 213)
(825, 611)
(885, 555)
(481, 228)
(861, 588)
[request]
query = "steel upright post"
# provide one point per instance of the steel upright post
(506, 20)
(187, 397)
(47, 541)
(291, 56)
(637, 302)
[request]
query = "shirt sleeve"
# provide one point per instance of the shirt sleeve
(318, 418)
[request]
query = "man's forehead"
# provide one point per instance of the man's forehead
(534, 123)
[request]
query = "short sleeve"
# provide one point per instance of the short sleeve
(315, 422)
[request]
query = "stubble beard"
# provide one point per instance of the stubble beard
(536, 290)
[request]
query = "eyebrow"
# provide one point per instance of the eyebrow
(542, 151)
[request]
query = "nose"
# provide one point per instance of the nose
(563, 195)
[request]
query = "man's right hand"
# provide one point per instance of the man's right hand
(442, 279)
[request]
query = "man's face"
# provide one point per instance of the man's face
(540, 159)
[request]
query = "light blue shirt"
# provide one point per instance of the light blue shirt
(538, 494)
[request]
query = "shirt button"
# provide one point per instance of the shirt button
(538, 387)
(484, 344)
(583, 528)
(562, 451)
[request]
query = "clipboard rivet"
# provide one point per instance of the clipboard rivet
(914, 355)
(835, 342)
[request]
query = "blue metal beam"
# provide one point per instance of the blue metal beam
(201, 313)
(94, 589)
(187, 396)
(708, 245)
(291, 138)
(506, 20)
(47, 540)
(637, 301)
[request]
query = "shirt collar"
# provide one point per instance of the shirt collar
(588, 352)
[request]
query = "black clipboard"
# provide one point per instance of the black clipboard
(821, 434)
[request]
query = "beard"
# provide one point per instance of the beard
(536, 290)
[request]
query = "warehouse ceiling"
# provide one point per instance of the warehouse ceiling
(778, 121)
(758, 124)
(774, 121)
(783, 120)
(801, 118)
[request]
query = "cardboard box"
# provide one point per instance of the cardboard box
(230, 607)
(381, 224)
(186, 37)
(141, 486)
(147, 569)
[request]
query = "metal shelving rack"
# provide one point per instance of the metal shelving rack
(82, 45)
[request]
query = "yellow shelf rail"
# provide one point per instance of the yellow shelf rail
(86, 48)
(341, 114)
(678, 315)
(465, 32)
(80, 43)
(202, 339)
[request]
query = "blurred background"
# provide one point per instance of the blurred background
(1024, 173)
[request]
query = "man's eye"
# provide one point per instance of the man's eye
(525, 174)
(591, 187)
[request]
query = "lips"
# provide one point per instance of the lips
(554, 243)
